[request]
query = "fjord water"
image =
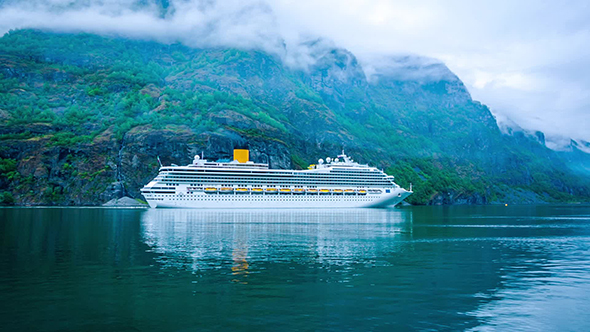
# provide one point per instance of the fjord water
(412, 268)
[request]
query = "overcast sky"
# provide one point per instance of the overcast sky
(529, 61)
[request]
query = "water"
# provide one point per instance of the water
(417, 268)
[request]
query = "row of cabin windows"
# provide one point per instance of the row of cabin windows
(294, 197)
(287, 182)
(335, 174)
(272, 180)
(275, 179)
(274, 200)
(261, 178)
(259, 172)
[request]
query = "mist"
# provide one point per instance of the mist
(528, 60)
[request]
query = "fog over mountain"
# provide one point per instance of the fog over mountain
(528, 60)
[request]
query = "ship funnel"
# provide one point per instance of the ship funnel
(242, 155)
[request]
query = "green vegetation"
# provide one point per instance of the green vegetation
(8, 169)
(6, 198)
(70, 102)
(8, 173)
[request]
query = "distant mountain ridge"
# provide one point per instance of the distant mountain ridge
(83, 117)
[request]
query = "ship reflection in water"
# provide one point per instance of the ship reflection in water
(233, 239)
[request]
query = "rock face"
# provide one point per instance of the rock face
(102, 171)
(83, 119)
(142, 145)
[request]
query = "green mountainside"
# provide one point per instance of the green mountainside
(83, 118)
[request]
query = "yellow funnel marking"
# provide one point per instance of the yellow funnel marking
(241, 155)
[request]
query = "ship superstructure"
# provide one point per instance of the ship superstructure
(338, 182)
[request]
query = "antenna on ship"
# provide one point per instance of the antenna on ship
(159, 161)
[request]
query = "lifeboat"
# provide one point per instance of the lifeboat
(285, 191)
(210, 190)
(298, 191)
(242, 190)
(312, 191)
(375, 191)
(271, 190)
(324, 191)
(362, 192)
(226, 190)
(349, 192)
(337, 192)
(257, 191)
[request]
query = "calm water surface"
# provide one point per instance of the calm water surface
(417, 268)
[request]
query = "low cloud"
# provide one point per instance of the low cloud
(242, 24)
(528, 60)
(405, 67)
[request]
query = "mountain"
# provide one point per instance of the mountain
(84, 117)
(575, 153)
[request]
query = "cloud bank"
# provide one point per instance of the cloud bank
(242, 24)
(528, 60)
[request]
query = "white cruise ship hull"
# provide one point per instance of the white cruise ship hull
(201, 200)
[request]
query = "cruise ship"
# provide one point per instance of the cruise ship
(334, 183)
